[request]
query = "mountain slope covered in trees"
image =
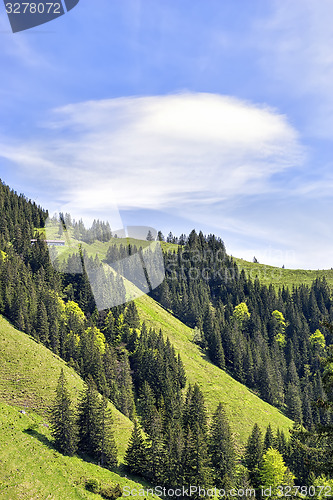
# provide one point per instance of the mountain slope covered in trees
(216, 336)
(243, 407)
(32, 468)
(28, 378)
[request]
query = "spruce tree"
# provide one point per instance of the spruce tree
(281, 443)
(156, 452)
(105, 447)
(87, 418)
(136, 454)
(221, 449)
(196, 470)
(269, 440)
(42, 327)
(194, 409)
(147, 407)
(125, 401)
(63, 427)
(294, 402)
(253, 455)
(174, 444)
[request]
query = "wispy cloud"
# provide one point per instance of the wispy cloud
(158, 152)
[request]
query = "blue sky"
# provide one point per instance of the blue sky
(214, 115)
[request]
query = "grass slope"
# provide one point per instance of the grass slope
(97, 247)
(29, 465)
(28, 377)
(30, 468)
(279, 277)
(244, 407)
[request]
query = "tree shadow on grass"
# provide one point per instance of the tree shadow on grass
(120, 469)
(41, 437)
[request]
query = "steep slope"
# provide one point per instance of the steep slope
(244, 407)
(31, 468)
(29, 374)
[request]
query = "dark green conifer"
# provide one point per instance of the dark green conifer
(269, 440)
(147, 407)
(156, 452)
(294, 403)
(253, 455)
(105, 446)
(125, 401)
(221, 449)
(63, 427)
(174, 445)
(196, 470)
(136, 454)
(87, 418)
(131, 316)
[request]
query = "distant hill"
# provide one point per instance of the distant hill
(278, 276)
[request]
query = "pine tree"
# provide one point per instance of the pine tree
(125, 401)
(156, 452)
(294, 403)
(136, 454)
(221, 449)
(196, 471)
(63, 427)
(87, 418)
(105, 446)
(174, 445)
(253, 455)
(269, 440)
(42, 327)
(147, 407)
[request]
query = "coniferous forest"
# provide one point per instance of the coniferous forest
(277, 342)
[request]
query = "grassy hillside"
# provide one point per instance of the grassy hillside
(29, 374)
(244, 408)
(283, 277)
(98, 247)
(266, 274)
(31, 468)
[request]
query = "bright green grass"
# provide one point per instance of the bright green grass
(98, 247)
(30, 468)
(28, 377)
(244, 407)
(279, 277)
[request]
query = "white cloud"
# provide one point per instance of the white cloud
(207, 158)
(158, 152)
